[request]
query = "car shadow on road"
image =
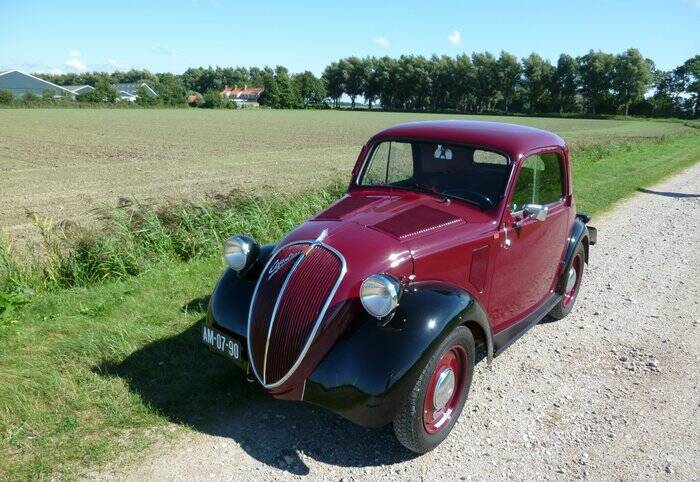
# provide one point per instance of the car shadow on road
(186, 383)
(667, 193)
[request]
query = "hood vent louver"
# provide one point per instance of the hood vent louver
(415, 221)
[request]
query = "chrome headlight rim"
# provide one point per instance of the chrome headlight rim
(240, 252)
(380, 294)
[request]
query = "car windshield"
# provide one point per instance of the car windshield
(472, 174)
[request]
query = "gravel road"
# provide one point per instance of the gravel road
(611, 392)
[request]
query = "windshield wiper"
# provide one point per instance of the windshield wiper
(414, 186)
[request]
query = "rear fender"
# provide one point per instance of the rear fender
(577, 234)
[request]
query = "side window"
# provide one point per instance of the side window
(391, 162)
(541, 181)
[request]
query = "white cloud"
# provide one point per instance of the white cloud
(455, 38)
(74, 53)
(162, 51)
(116, 64)
(382, 41)
(76, 64)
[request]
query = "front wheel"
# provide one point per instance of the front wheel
(432, 408)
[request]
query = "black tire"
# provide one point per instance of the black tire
(566, 304)
(408, 423)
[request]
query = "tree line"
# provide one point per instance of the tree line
(592, 84)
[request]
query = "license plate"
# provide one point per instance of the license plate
(222, 343)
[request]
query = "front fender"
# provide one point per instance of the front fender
(230, 300)
(370, 370)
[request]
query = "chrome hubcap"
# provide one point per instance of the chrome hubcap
(444, 388)
(570, 280)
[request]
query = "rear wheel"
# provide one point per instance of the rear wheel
(432, 408)
(573, 282)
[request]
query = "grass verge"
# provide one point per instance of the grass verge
(89, 372)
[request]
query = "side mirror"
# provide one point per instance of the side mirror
(535, 211)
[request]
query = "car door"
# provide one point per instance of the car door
(529, 250)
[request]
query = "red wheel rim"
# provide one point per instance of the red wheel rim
(436, 418)
(577, 266)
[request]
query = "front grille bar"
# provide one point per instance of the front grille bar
(343, 269)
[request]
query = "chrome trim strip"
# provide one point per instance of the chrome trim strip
(319, 319)
(273, 315)
(254, 298)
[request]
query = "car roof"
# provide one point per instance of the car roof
(515, 140)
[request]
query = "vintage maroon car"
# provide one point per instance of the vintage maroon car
(454, 239)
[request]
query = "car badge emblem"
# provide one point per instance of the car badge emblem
(278, 265)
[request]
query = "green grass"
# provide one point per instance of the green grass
(90, 372)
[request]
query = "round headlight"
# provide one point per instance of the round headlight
(379, 294)
(239, 252)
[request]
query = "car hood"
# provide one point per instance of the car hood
(308, 294)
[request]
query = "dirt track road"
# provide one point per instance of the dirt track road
(611, 392)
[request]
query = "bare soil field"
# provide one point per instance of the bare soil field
(62, 164)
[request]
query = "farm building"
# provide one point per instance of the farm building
(248, 96)
(130, 91)
(80, 89)
(19, 83)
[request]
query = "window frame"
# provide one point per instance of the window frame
(562, 170)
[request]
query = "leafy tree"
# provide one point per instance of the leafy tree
(385, 77)
(310, 88)
(212, 99)
(30, 97)
(334, 76)
(537, 76)
(509, 72)
(170, 90)
(143, 97)
(441, 70)
(595, 70)
(631, 77)
(565, 84)
(463, 94)
(47, 95)
(373, 84)
(485, 80)
(288, 95)
(104, 92)
(6, 97)
(357, 72)
(688, 75)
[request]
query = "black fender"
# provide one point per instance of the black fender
(578, 234)
(230, 300)
(370, 370)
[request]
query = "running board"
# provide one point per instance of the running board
(505, 338)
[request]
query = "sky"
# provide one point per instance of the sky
(170, 36)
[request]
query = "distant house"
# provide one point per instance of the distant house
(80, 89)
(248, 96)
(130, 91)
(19, 83)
